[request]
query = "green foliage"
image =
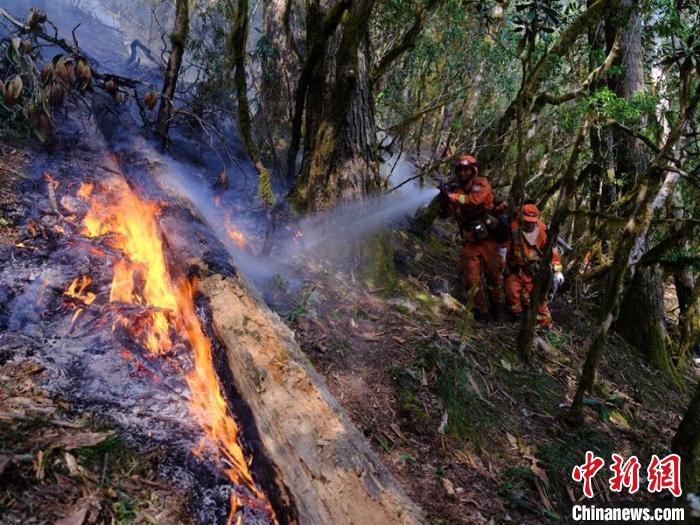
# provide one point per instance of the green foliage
(537, 16)
(608, 105)
(265, 54)
(304, 307)
(407, 458)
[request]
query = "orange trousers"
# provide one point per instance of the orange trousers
(518, 290)
(477, 258)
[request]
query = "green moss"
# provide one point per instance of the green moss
(407, 387)
(265, 187)
(376, 261)
(430, 303)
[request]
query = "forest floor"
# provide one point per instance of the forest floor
(472, 434)
(60, 463)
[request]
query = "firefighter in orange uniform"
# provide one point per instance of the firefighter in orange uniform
(524, 259)
(472, 202)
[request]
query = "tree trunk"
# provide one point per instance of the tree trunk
(642, 317)
(689, 324)
(178, 40)
(641, 321)
(339, 161)
(279, 67)
(238, 43)
(686, 444)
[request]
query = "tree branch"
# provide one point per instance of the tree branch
(406, 43)
(545, 98)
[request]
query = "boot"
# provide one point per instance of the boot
(496, 311)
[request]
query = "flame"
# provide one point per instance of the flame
(234, 233)
(48, 178)
(142, 278)
(77, 289)
(85, 190)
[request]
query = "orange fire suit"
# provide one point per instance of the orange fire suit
(522, 259)
(478, 254)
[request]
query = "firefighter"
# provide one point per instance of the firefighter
(524, 259)
(472, 203)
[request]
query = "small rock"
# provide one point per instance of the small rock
(399, 301)
(447, 485)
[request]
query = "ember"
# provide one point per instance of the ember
(234, 233)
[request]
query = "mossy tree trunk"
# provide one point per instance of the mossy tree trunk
(279, 66)
(599, 136)
(178, 41)
(339, 155)
(238, 40)
(641, 321)
(689, 323)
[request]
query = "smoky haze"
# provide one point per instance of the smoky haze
(330, 232)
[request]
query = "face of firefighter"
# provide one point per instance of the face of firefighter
(465, 173)
(529, 226)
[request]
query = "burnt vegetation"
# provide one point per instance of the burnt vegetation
(150, 191)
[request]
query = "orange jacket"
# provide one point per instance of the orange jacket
(470, 201)
(520, 251)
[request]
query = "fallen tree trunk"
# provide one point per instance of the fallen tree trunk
(326, 463)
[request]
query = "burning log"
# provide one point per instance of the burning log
(310, 464)
(326, 463)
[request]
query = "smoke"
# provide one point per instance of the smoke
(353, 221)
(27, 308)
(332, 231)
